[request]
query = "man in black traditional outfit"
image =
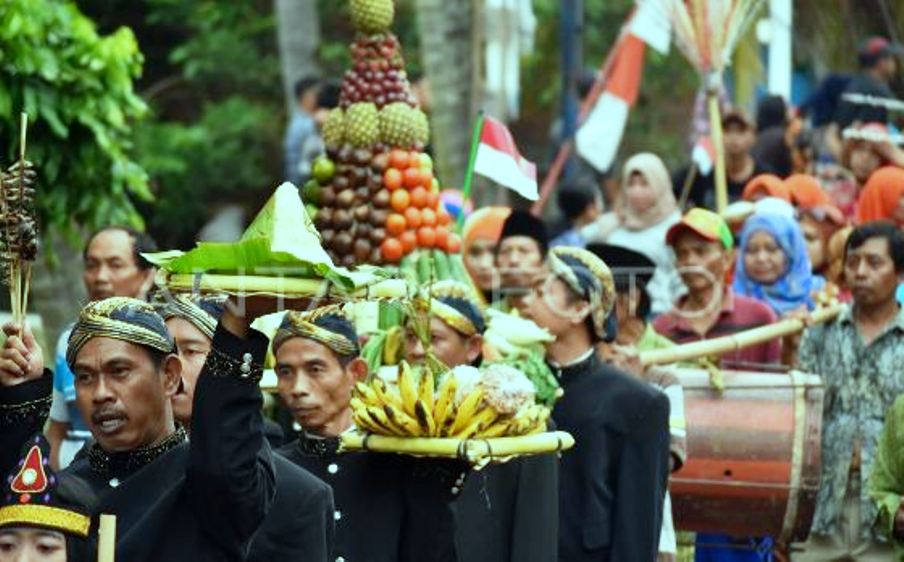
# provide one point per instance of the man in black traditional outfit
(506, 512)
(519, 256)
(173, 500)
(389, 508)
(612, 483)
(299, 525)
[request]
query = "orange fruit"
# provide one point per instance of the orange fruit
(409, 241)
(426, 237)
(442, 237)
(412, 217)
(392, 179)
(443, 217)
(399, 159)
(419, 197)
(433, 200)
(428, 217)
(427, 179)
(412, 178)
(400, 200)
(391, 249)
(395, 224)
(453, 245)
(414, 157)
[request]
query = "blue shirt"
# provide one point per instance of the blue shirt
(64, 384)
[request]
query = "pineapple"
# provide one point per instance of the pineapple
(362, 125)
(397, 125)
(421, 127)
(372, 16)
(334, 127)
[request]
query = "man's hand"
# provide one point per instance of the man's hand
(624, 358)
(21, 359)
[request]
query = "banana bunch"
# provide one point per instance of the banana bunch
(416, 407)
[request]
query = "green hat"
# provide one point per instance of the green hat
(704, 223)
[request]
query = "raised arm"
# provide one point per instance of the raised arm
(230, 475)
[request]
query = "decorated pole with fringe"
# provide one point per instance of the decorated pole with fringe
(706, 32)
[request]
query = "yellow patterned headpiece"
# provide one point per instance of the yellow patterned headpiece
(327, 325)
(457, 305)
(589, 277)
(121, 318)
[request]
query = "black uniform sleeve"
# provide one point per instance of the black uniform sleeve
(230, 477)
(535, 531)
(23, 410)
(643, 471)
(429, 489)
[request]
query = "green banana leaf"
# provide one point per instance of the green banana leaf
(281, 242)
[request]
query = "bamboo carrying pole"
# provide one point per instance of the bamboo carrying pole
(715, 125)
(734, 342)
(106, 539)
(470, 450)
(285, 286)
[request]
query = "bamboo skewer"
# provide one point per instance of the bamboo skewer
(734, 342)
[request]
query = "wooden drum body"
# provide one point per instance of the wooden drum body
(753, 454)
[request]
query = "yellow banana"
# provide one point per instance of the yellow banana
(478, 423)
(385, 395)
(379, 417)
(444, 399)
(425, 418)
(400, 419)
(364, 422)
(367, 394)
(499, 428)
(392, 346)
(407, 388)
(466, 411)
(425, 389)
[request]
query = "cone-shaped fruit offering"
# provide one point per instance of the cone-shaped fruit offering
(379, 201)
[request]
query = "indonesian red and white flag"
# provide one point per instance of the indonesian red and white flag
(498, 159)
(600, 135)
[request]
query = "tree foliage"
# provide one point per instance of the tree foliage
(77, 88)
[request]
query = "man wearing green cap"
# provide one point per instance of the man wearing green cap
(703, 247)
(174, 500)
(612, 483)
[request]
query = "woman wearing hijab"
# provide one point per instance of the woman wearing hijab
(881, 198)
(818, 218)
(773, 265)
(644, 211)
(479, 239)
(765, 185)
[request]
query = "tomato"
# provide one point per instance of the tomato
(426, 237)
(400, 200)
(399, 159)
(412, 217)
(419, 197)
(427, 179)
(412, 178)
(395, 224)
(425, 162)
(392, 179)
(409, 241)
(443, 217)
(442, 237)
(391, 249)
(433, 200)
(453, 245)
(428, 217)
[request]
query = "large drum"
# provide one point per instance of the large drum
(753, 454)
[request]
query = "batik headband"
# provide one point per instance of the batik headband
(200, 317)
(122, 318)
(327, 325)
(589, 277)
(455, 304)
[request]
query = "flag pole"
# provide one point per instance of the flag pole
(469, 173)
